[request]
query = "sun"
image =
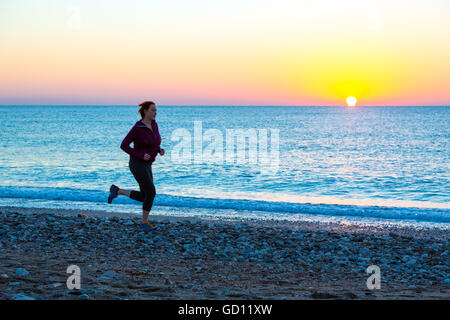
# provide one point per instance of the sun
(351, 101)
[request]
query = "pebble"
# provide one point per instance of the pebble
(21, 272)
(110, 274)
(87, 291)
(411, 262)
(22, 296)
(323, 295)
(350, 295)
(261, 250)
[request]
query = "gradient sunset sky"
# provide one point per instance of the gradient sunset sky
(225, 52)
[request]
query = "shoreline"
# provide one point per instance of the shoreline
(203, 258)
(342, 227)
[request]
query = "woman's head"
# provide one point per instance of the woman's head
(147, 110)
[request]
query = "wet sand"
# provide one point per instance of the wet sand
(193, 258)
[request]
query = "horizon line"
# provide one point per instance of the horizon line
(220, 105)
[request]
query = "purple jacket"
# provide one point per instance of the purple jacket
(144, 141)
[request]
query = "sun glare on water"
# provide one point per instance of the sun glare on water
(351, 101)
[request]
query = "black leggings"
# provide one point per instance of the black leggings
(142, 172)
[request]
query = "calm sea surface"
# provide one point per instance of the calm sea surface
(379, 163)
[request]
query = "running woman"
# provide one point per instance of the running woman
(146, 145)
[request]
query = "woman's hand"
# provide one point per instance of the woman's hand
(161, 152)
(146, 157)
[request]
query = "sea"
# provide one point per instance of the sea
(362, 165)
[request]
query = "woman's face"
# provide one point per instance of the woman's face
(150, 113)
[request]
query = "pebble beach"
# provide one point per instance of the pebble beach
(193, 258)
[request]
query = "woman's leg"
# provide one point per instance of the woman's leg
(139, 196)
(149, 194)
(135, 195)
(143, 174)
(125, 192)
(145, 216)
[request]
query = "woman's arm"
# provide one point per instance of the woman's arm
(125, 145)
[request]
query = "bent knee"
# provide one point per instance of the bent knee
(150, 193)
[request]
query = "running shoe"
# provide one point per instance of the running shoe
(147, 226)
(113, 193)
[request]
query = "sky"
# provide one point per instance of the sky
(234, 52)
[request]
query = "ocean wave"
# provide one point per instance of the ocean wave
(438, 215)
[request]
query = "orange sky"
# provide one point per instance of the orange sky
(219, 53)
